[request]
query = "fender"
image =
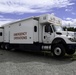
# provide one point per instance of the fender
(58, 40)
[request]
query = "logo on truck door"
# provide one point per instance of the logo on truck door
(20, 35)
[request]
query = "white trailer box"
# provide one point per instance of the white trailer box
(23, 32)
(42, 33)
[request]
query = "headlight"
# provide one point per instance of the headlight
(72, 39)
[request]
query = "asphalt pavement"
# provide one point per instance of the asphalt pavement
(27, 63)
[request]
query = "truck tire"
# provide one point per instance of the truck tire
(58, 50)
(70, 52)
(7, 46)
(2, 46)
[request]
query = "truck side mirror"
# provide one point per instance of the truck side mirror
(48, 29)
(66, 29)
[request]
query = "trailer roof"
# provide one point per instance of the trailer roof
(20, 20)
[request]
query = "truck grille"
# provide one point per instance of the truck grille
(75, 36)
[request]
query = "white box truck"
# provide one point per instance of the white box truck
(41, 33)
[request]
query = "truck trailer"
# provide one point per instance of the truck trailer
(39, 33)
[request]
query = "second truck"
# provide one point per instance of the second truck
(40, 33)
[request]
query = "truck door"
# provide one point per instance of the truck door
(48, 34)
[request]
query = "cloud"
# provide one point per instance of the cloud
(31, 6)
(5, 20)
(69, 22)
(69, 9)
(68, 19)
(73, 13)
(1, 16)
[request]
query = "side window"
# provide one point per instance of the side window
(48, 28)
(35, 28)
(0, 33)
(51, 30)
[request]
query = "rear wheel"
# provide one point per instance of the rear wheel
(2, 46)
(70, 52)
(7, 47)
(58, 50)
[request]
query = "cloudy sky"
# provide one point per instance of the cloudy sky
(11, 10)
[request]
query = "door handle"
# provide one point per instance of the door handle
(44, 37)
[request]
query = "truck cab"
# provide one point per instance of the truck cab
(55, 38)
(40, 33)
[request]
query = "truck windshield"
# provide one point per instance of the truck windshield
(58, 28)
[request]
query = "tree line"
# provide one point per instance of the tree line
(70, 29)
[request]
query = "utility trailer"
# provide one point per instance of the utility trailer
(40, 33)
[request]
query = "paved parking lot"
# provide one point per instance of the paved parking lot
(23, 63)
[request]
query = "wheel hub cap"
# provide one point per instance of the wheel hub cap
(57, 51)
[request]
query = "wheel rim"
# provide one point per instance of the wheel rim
(5, 46)
(1, 46)
(57, 51)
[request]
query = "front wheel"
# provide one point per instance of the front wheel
(58, 50)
